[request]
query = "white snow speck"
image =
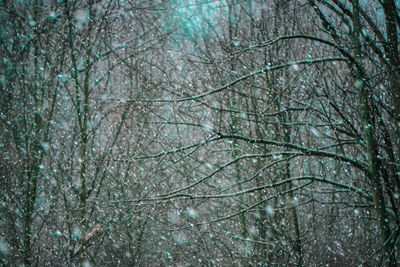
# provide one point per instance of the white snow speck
(314, 132)
(58, 233)
(4, 246)
(32, 23)
(77, 232)
(45, 146)
(270, 211)
(191, 212)
(295, 201)
(86, 264)
(181, 238)
(208, 127)
(53, 15)
(295, 67)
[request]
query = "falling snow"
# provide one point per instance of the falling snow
(199, 133)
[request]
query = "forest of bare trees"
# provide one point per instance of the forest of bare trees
(199, 133)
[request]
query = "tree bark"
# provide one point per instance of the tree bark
(369, 139)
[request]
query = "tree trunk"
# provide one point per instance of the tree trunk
(371, 146)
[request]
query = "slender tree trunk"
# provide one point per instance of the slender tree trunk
(392, 54)
(297, 246)
(234, 120)
(371, 146)
(34, 155)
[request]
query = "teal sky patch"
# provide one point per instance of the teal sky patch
(190, 19)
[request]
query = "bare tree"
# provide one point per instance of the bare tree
(200, 132)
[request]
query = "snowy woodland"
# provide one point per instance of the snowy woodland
(199, 133)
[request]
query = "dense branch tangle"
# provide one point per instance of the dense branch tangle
(213, 133)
